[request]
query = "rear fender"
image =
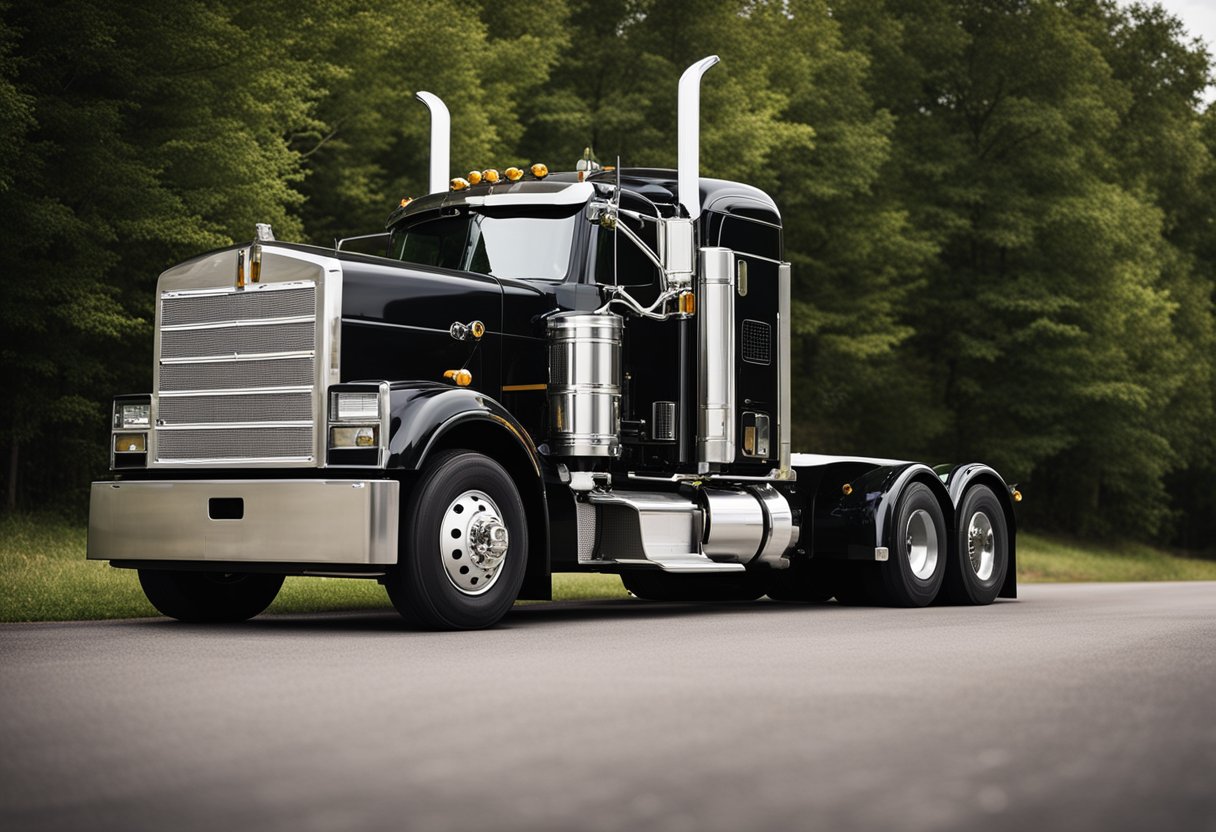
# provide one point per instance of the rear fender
(959, 481)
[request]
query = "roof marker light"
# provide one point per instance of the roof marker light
(459, 183)
(490, 175)
(513, 174)
(540, 170)
(474, 177)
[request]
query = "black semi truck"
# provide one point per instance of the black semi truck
(585, 371)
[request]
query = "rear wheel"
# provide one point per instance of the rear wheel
(209, 597)
(464, 545)
(916, 565)
(666, 586)
(976, 573)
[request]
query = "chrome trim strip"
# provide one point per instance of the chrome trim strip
(230, 290)
(784, 394)
(229, 359)
(241, 391)
(287, 521)
(244, 461)
(297, 319)
(297, 423)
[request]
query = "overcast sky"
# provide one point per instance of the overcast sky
(1199, 18)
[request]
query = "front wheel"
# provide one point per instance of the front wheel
(209, 597)
(464, 545)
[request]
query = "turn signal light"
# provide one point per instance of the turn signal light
(459, 183)
(490, 175)
(540, 170)
(474, 177)
(255, 264)
(688, 303)
(513, 174)
(130, 443)
(478, 329)
(463, 378)
(846, 489)
(1017, 496)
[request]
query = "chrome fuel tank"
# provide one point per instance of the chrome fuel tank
(585, 384)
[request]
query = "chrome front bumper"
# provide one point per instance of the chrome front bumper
(280, 521)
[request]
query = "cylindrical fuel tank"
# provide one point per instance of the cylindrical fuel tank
(585, 384)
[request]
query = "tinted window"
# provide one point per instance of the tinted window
(530, 247)
(751, 237)
(633, 268)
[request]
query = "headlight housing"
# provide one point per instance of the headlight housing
(130, 422)
(358, 425)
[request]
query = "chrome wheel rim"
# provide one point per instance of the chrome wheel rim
(922, 549)
(981, 545)
(473, 542)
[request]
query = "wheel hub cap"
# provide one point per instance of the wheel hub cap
(981, 547)
(473, 542)
(922, 545)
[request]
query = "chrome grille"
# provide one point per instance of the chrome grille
(243, 443)
(238, 340)
(254, 305)
(230, 361)
(266, 407)
(237, 375)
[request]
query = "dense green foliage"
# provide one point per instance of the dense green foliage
(1002, 215)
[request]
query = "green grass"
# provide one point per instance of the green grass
(45, 577)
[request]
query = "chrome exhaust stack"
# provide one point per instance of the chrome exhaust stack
(441, 141)
(689, 136)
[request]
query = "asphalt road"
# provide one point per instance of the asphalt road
(1077, 707)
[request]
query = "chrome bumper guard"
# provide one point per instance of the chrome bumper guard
(255, 521)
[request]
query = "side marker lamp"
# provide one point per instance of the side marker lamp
(462, 378)
(1017, 495)
(478, 329)
(846, 489)
(688, 303)
(406, 201)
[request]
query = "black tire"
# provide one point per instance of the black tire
(916, 565)
(809, 581)
(422, 587)
(209, 597)
(652, 585)
(977, 567)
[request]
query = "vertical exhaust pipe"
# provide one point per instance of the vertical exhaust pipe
(689, 132)
(441, 141)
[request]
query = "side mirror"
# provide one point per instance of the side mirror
(677, 250)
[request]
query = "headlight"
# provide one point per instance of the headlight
(132, 415)
(355, 407)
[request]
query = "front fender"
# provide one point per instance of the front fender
(420, 412)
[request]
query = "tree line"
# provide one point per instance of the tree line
(1001, 213)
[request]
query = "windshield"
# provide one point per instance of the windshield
(529, 247)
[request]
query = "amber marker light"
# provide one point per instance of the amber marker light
(540, 170)
(459, 183)
(478, 329)
(255, 264)
(846, 489)
(513, 174)
(463, 378)
(406, 201)
(688, 303)
(474, 177)
(1017, 496)
(240, 269)
(490, 175)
